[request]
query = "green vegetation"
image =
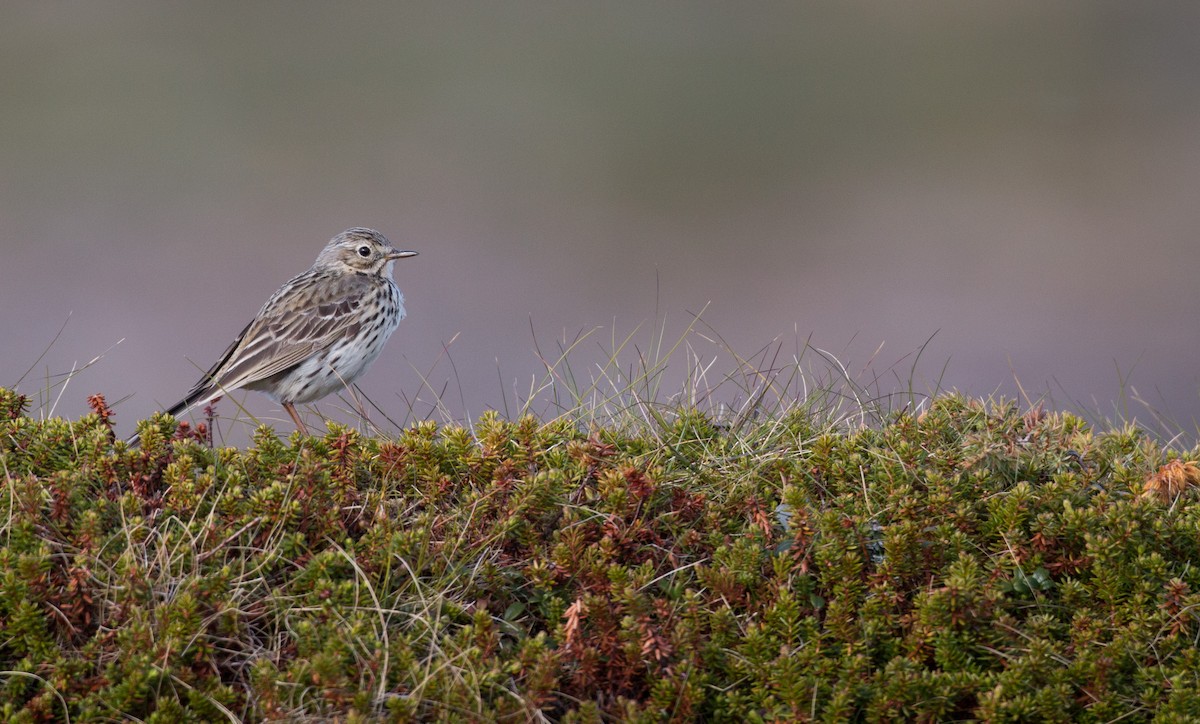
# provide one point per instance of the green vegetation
(967, 561)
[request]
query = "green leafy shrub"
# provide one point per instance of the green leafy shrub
(969, 562)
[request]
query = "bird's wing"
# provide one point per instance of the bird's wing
(298, 321)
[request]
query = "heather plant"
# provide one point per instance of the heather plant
(800, 550)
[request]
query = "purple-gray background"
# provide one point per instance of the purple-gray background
(1020, 177)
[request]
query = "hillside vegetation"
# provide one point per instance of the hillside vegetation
(966, 560)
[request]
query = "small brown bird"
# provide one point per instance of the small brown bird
(318, 333)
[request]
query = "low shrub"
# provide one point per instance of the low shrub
(967, 562)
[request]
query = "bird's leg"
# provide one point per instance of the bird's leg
(296, 418)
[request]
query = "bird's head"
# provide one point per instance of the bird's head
(360, 250)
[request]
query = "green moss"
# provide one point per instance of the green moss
(969, 562)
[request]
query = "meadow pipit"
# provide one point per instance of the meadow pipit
(318, 333)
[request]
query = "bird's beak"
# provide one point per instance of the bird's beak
(397, 254)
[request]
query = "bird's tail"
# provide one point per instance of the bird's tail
(195, 397)
(200, 393)
(208, 388)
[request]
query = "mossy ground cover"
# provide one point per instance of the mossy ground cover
(969, 561)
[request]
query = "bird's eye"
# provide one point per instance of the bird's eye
(364, 251)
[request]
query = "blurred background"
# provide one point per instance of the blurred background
(1016, 180)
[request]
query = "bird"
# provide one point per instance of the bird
(318, 333)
